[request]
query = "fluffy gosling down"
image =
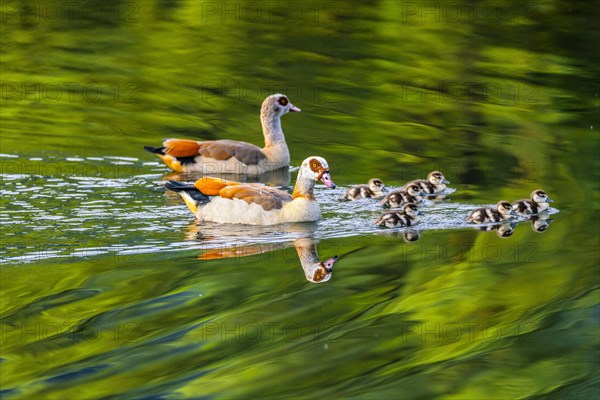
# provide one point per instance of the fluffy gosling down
(373, 189)
(538, 203)
(410, 193)
(408, 216)
(435, 183)
(501, 212)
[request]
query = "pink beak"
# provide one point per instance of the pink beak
(293, 108)
(332, 260)
(326, 179)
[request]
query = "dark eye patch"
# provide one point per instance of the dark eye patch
(283, 101)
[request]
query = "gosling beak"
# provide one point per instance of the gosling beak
(549, 200)
(446, 181)
(420, 213)
(385, 189)
(423, 194)
(326, 179)
(513, 213)
(293, 108)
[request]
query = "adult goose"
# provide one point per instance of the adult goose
(254, 203)
(231, 156)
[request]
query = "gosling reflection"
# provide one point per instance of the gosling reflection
(409, 235)
(540, 223)
(503, 230)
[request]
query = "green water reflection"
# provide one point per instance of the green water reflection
(503, 99)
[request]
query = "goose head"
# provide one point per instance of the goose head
(505, 209)
(277, 105)
(319, 272)
(317, 169)
(437, 178)
(539, 196)
(315, 270)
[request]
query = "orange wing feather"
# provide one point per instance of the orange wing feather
(265, 196)
(182, 148)
(211, 186)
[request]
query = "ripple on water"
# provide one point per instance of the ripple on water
(131, 214)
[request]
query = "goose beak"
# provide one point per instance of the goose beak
(422, 194)
(446, 181)
(513, 213)
(420, 213)
(332, 260)
(326, 179)
(293, 108)
(549, 200)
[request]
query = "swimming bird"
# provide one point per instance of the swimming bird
(373, 189)
(254, 203)
(231, 156)
(408, 216)
(538, 203)
(410, 193)
(501, 212)
(435, 183)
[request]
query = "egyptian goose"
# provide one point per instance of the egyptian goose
(538, 203)
(254, 203)
(435, 183)
(501, 212)
(230, 156)
(373, 189)
(408, 216)
(410, 193)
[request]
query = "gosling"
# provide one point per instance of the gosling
(408, 216)
(408, 194)
(373, 189)
(502, 212)
(435, 183)
(538, 203)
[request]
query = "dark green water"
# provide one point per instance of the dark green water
(109, 288)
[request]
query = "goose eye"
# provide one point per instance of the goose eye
(283, 101)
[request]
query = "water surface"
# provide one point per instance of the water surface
(110, 288)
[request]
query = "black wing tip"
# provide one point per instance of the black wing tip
(155, 150)
(178, 186)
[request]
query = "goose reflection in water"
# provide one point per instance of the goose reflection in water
(315, 269)
(235, 241)
(280, 177)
